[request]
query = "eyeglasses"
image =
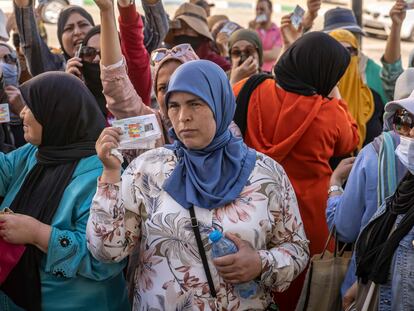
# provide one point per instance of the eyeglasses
(248, 51)
(9, 59)
(177, 51)
(88, 53)
(353, 51)
(403, 122)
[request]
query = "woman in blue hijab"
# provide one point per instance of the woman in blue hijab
(206, 180)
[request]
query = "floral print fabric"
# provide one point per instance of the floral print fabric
(169, 274)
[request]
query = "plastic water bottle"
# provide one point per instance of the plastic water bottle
(222, 246)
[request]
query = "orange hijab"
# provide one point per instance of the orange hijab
(353, 89)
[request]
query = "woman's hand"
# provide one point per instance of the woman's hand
(239, 72)
(74, 66)
(350, 296)
(22, 3)
(15, 98)
(243, 266)
(104, 5)
(108, 140)
(342, 171)
(311, 13)
(289, 33)
(398, 12)
(222, 42)
(18, 228)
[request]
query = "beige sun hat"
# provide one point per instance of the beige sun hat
(194, 16)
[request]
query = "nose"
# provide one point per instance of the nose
(185, 114)
(97, 59)
(77, 31)
(22, 112)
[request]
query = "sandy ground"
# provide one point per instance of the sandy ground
(373, 47)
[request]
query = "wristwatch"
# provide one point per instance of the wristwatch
(335, 188)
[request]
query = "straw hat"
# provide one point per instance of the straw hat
(194, 16)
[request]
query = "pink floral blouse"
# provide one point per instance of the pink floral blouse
(170, 274)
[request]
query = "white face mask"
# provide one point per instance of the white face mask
(405, 152)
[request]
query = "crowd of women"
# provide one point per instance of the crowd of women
(275, 136)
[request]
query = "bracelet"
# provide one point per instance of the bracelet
(335, 188)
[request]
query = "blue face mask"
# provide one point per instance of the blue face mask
(10, 74)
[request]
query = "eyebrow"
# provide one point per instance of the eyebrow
(187, 102)
(78, 22)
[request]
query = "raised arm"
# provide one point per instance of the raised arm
(114, 223)
(347, 130)
(133, 48)
(156, 24)
(39, 58)
(121, 97)
(391, 60)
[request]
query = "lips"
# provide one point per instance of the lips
(187, 132)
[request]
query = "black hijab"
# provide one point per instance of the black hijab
(63, 18)
(92, 74)
(375, 247)
(71, 123)
(312, 65)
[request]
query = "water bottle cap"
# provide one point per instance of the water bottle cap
(215, 235)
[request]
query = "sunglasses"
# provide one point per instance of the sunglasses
(403, 122)
(249, 51)
(9, 59)
(88, 53)
(177, 51)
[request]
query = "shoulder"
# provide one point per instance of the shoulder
(24, 153)
(268, 166)
(267, 86)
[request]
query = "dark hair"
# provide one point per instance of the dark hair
(63, 18)
(92, 32)
(268, 2)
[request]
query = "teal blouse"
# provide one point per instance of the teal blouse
(71, 278)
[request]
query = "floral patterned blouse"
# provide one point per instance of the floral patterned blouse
(169, 274)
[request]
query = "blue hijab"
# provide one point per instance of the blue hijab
(216, 175)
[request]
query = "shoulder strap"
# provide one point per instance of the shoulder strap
(201, 250)
(243, 99)
(387, 171)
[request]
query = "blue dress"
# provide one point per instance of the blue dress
(71, 279)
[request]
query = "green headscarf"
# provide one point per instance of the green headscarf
(250, 36)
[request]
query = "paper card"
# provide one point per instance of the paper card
(138, 132)
(297, 16)
(4, 113)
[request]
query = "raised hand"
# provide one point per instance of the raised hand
(74, 66)
(108, 140)
(22, 3)
(222, 42)
(105, 5)
(15, 99)
(238, 72)
(311, 13)
(289, 33)
(398, 12)
(342, 171)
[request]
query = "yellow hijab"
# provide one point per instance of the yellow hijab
(353, 89)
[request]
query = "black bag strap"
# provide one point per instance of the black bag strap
(201, 250)
(243, 99)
